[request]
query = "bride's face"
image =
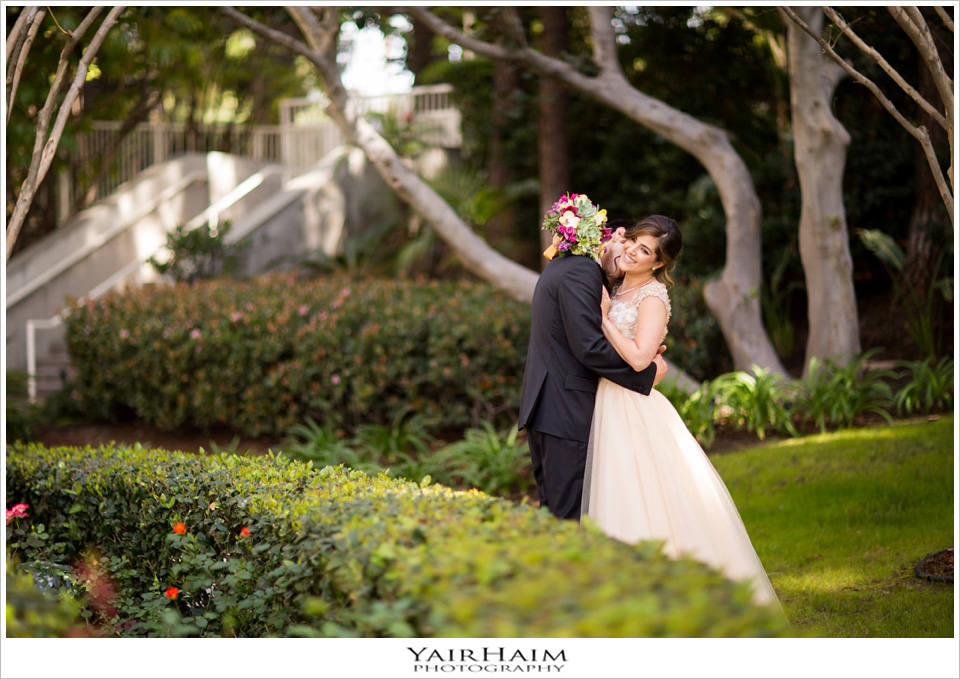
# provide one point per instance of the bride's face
(639, 255)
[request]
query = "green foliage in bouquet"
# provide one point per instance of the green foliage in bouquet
(257, 547)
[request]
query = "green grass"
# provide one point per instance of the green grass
(840, 520)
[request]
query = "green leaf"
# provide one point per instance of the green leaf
(883, 246)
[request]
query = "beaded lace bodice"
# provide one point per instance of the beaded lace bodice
(624, 310)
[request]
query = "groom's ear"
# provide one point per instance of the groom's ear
(620, 234)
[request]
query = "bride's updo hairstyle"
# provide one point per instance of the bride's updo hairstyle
(669, 242)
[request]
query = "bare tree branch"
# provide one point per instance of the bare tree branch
(21, 50)
(17, 33)
(919, 133)
(511, 21)
(604, 42)
(885, 65)
(947, 21)
(321, 34)
(914, 25)
(45, 147)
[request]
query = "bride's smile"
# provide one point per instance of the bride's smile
(639, 256)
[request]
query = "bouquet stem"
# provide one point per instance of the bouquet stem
(550, 253)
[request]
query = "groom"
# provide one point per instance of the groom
(567, 355)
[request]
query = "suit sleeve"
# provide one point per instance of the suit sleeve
(579, 300)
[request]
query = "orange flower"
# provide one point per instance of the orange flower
(180, 528)
(172, 592)
(244, 532)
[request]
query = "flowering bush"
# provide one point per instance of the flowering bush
(579, 224)
(333, 552)
(261, 356)
(16, 512)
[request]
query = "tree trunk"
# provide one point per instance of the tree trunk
(552, 133)
(820, 151)
(419, 52)
(506, 80)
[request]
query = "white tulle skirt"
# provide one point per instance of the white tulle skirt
(647, 478)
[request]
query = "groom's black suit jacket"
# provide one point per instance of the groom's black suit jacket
(568, 352)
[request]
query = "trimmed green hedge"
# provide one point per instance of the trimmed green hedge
(336, 553)
(262, 355)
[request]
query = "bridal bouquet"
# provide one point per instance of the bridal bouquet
(579, 224)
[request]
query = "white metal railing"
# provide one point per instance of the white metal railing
(154, 142)
(419, 100)
(305, 134)
(209, 216)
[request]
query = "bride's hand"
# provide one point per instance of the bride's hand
(605, 302)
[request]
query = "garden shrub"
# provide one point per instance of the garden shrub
(36, 612)
(495, 462)
(230, 546)
(261, 356)
(839, 394)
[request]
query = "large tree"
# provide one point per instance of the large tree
(820, 151)
(733, 298)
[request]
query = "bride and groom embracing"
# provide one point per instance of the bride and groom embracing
(603, 442)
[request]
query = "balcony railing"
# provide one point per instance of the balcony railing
(306, 134)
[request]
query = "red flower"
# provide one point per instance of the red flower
(244, 532)
(180, 528)
(172, 592)
(17, 512)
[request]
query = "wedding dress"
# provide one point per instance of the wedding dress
(647, 478)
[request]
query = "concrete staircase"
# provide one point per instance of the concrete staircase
(106, 246)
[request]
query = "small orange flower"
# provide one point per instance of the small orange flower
(173, 592)
(180, 528)
(244, 532)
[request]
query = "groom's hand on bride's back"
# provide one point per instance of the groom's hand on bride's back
(661, 365)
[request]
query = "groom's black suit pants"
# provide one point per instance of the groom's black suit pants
(558, 467)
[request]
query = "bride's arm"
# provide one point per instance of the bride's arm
(641, 350)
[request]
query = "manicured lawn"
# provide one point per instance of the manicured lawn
(840, 520)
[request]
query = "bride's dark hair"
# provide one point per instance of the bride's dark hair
(669, 242)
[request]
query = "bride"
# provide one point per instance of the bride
(647, 478)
